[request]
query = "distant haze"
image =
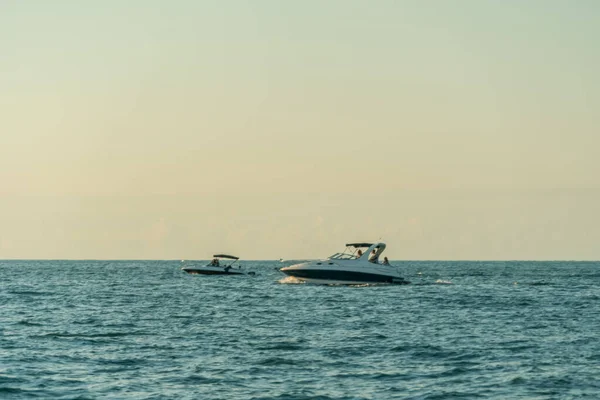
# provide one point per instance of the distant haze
(174, 130)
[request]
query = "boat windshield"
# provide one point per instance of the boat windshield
(343, 256)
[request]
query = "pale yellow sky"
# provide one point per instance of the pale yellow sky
(151, 129)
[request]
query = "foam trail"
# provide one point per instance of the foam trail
(290, 280)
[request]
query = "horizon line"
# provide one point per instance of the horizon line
(294, 259)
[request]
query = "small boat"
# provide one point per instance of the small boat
(221, 264)
(352, 267)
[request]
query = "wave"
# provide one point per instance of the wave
(26, 322)
(90, 335)
(282, 346)
(275, 361)
(30, 293)
(296, 397)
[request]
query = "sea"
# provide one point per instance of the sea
(147, 330)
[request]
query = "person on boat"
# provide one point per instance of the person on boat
(385, 261)
(358, 253)
(373, 258)
(215, 262)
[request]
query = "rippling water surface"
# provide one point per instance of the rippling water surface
(144, 329)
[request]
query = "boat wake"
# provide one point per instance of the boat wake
(290, 280)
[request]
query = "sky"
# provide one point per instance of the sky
(464, 130)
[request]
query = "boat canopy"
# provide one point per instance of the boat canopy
(357, 245)
(372, 253)
(226, 256)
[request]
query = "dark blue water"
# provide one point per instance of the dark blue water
(146, 330)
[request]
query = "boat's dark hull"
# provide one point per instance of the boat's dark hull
(209, 272)
(337, 276)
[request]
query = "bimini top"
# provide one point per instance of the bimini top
(226, 256)
(357, 245)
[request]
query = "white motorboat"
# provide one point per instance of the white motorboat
(221, 264)
(352, 267)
